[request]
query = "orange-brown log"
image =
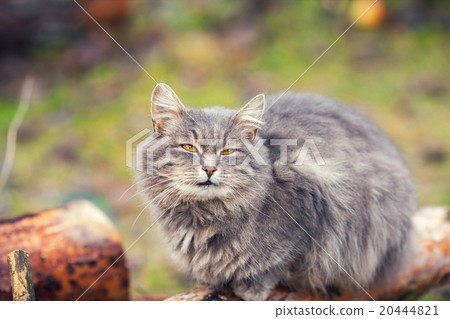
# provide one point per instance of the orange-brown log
(69, 248)
(427, 267)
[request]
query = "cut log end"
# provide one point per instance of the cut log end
(69, 247)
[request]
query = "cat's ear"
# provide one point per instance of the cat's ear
(248, 118)
(166, 107)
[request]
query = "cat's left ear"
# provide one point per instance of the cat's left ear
(167, 109)
(248, 118)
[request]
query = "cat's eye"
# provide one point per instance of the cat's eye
(228, 151)
(189, 147)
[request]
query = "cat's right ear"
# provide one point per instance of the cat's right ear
(167, 108)
(248, 118)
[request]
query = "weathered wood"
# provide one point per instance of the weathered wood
(21, 279)
(428, 267)
(69, 248)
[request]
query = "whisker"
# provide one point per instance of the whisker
(129, 188)
(163, 193)
(146, 189)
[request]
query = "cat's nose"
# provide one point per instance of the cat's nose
(209, 170)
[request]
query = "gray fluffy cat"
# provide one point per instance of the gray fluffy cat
(239, 207)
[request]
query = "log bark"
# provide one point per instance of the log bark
(21, 279)
(69, 248)
(427, 267)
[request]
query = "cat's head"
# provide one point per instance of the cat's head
(201, 154)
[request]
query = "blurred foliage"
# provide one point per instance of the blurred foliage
(90, 97)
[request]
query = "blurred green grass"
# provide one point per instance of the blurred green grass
(72, 143)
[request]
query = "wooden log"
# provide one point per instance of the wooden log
(69, 249)
(428, 267)
(21, 279)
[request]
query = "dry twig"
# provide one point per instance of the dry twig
(21, 278)
(11, 139)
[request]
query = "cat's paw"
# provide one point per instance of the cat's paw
(251, 291)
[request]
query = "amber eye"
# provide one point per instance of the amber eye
(228, 151)
(189, 147)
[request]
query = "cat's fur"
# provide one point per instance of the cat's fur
(344, 224)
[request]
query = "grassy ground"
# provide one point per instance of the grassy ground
(72, 143)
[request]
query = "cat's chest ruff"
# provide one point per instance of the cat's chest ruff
(208, 254)
(205, 243)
